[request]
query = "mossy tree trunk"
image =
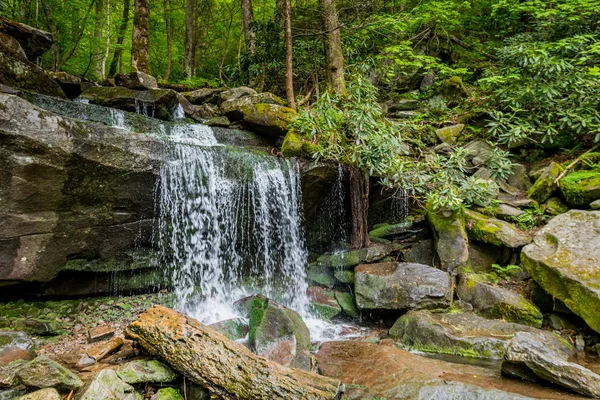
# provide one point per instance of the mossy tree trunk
(141, 37)
(226, 368)
(359, 202)
(334, 56)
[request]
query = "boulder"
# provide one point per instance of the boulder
(533, 357)
(564, 259)
(44, 394)
(581, 188)
(203, 95)
(12, 339)
(494, 231)
(401, 286)
(296, 145)
(157, 103)
(595, 205)
(268, 119)
(233, 108)
(451, 242)
(545, 185)
(34, 42)
(74, 197)
(18, 72)
(234, 328)
(276, 332)
(321, 275)
(450, 134)
(451, 93)
(146, 371)
(136, 80)
(462, 334)
(347, 303)
(235, 93)
(478, 152)
(482, 256)
(42, 372)
(507, 212)
(70, 84)
(351, 258)
(343, 276)
(106, 385)
(323, 302)
(519, 178)
(389, 231)
(168, 394)
(554, 206)
(421, 252)
(496, 302)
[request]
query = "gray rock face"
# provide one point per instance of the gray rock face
(532, 356)
(106, 385)
(204, 95)
(497, 302)
(463, 334)
(451, 242)
(136, 80)
(564, 260)
(34, 42)
(73, 196)
(42, 372)
(236, 93)
(494, 231)
(401, 286)
(70, 84)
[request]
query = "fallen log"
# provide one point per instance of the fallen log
(229, 369)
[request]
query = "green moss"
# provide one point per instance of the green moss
(321, 275)
(295, 145)
(485, 231)
(344, 276)
(544, 186)
(581, 188)
(325, 311)
(347, 303)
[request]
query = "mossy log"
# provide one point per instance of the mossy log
(227, 368)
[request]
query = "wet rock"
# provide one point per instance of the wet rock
(295, 145)
(70, 84)
(234, 328)
(106, 385)
(351, 258)
(136, 80)
(167, 394)
(268, 119)
(100, 332)
(494, 231)
(15, 339)
(203, 95)
(496, 302)
(581, 188)
(344, 276)
(99, 351)
(401, 286)
(321, 275)
(10, 354)
(276, 332)
(564, 259)
(534, 357)
(18, 72)
(463, 334)
(34, 42)
(451, 242)
(545, 185)
(220, 121)
(389, 231)
(323, 302)
(146, 371)
(44, 394)
(236, 93)
(450, 134)
(347, 303)
(42, 372)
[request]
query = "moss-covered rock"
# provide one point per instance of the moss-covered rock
(581, 188)
(344, 276)
(234, 328)
(42, 372)
(268, 119)
(347, 303)
(564, 259)
(450, 134)
(545, 185)
(296, 145)
(106, 385)
(146, 371)
(494, 231)
(451, 242)
(167, 394)
(351, 258)
(554, 206)
(321, 275)
(323, 302)
(44, 394)
(401, 286)
(389, 231)
(496, 302)
(451, 93)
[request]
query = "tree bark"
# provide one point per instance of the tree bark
(54, 30)
(226, 368)
(169, 47)
(191, 38)
(359, 203)
(247, 21)
(289, 70)
(334, 57)
(141, 37)
(118, 53)
(96, 68)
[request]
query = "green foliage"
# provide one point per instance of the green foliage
(505, 272)
(531, 218)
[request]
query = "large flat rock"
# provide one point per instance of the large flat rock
(564, 259)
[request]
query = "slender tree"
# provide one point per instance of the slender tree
(289, 71)
(191, 38)
(247, 24)
(141, 37)
(120, 39)
(96, 68)
(169, 46)
(334, 57)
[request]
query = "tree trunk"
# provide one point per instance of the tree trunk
(169, 48)
(289, 71)
(106, 41)
(55, 50)
(247, 21)
(141, 37)
(120, 39)
(191, 38)
(359, 203)
(226, 368)
(334, 57)
(96, 69)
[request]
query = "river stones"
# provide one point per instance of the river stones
(451, 241)
(496, 302)
(143, 371)
(401, 286)
(533, 357)
(564, 260)
(106, 385)
(323, 302)
(42, 372)
(462, 334)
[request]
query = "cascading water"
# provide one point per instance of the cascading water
(229, 225)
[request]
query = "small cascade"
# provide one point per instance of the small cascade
(229, 226)
(118, 119)
(337, 209)
(178, 113)
(81, 100)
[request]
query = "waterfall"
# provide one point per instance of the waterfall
(178, 113)
(229, 225)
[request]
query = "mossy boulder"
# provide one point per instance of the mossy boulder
(450, 94)
(401, 286)
(496, 302)
(389, 231)
(146, 371)
(494, 231)
(581, 188)
(344, 276)
(203, 95)
(234, 328)
(235, 93)
(545, 185)
(44, 394)
(347, 303)
(351, 258)
(461, 334)
(157, 103)
(106, 385)
(564, 259)
(276, 332)
(554, 206)
(296, 145)
(233, 108)
(42, 372)
(35, 42)
(450, 134)
(167, 394)
(321, 275)
(323, 302)
(451, 241)
(268, 119)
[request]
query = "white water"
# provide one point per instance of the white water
(178, 113)
(229, 226)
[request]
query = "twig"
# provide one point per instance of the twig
(469, 47)
(70, 395)
(562, 174)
